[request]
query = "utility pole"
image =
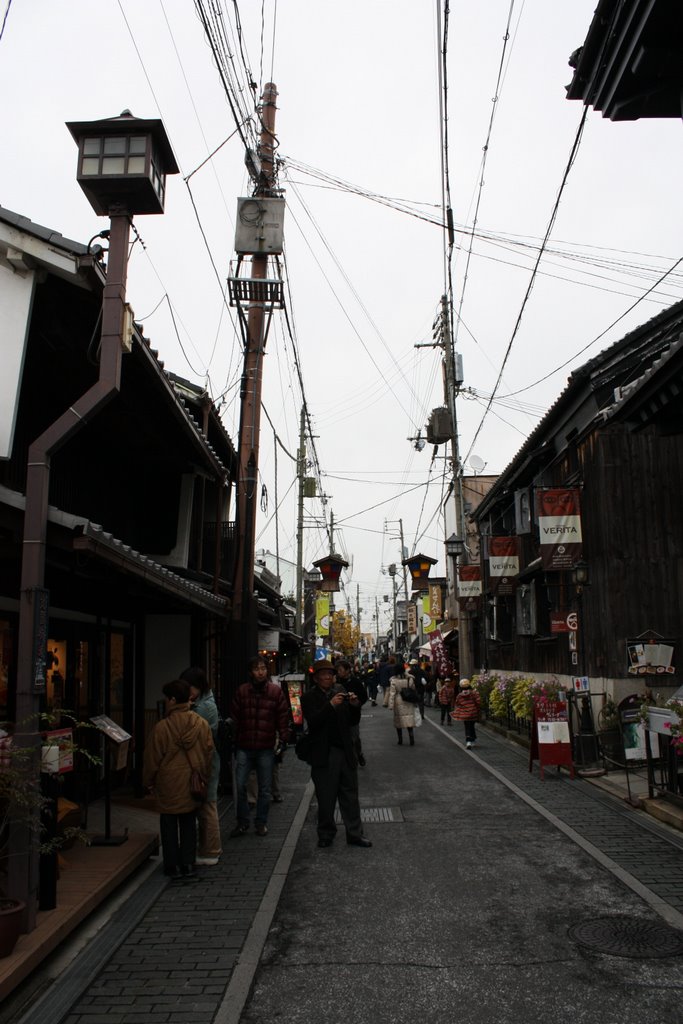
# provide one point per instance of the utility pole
(451, 387)
(301, 473)
(358, 647)
(244, 612)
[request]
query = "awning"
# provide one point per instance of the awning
(94, 539)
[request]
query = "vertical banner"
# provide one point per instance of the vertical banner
(412, 617)
(435, 608)
(559, 527)
(503, 564)
(428, 623)
(440, 658)
(322, 616)
(469, 582)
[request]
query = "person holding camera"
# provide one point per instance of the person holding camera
(330, 712)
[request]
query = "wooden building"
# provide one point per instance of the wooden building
(614, 441)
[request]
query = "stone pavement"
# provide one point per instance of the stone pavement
(461, 909)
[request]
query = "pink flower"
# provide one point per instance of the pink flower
(667, 725)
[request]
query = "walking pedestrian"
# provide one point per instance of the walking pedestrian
(370, 680)
(446, 698)
(386, 671)
(353, 684)
(330, 710)
(261, 713)
(404, 710)
(180, 743)
(467, 710)
(203, 704)
(415, 673)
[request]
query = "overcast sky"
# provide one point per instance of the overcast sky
(359, 102)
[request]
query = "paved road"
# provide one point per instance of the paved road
(460, 911)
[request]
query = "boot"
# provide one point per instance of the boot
(411, 737)
(400, 737)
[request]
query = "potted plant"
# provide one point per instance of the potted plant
(23, 806)
(609, 731)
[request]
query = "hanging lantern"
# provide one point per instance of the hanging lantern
(330, 568)
(419, 567)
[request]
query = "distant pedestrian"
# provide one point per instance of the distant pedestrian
(370, 682)
(203, 703)
(330, 710)
(467, 710)
(386, 671)
(180, 743)
(415, 672)
(446, 698)
(261, 714)
(404, 710)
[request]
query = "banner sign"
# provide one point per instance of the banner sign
(559, 527)
(412, 617)
(503, 564)
(469, 581)
(428, 622)
(322, 616)
(440, 658)
(550, 739)
(435, 609)
(294, 690)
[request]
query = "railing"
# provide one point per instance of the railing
(227, 549)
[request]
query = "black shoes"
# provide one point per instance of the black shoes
(361, 761)
(358, 841)
(325, 841)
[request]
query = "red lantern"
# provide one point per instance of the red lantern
(330, 569)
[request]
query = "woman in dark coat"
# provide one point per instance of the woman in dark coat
(180, 743)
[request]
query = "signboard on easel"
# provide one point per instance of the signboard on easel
(550, 739)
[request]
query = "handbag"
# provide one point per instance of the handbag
(199, 787)
(303, 748)
(409, 695)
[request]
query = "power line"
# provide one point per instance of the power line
(551, 222)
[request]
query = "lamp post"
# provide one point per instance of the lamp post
(392, 572)
(455, 550)
(587, 746)
(122, 166)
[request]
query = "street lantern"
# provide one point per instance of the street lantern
(455, 546)
(330, 568)
(123, 161)
(580, 576)
(419, 567)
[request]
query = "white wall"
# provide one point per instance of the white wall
(16, 295)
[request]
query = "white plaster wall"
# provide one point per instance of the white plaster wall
(16, 295)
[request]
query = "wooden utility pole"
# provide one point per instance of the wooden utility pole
(451, 385)
(301, 473)
(244, 612)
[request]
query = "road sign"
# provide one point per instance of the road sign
(573, 622)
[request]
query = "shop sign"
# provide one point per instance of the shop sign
(559, 527)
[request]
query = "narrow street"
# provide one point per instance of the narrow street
(462, 910)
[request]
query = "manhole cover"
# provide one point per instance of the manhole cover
(628, 936)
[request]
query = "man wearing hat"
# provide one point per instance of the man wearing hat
(330, 711)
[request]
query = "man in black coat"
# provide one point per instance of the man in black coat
(330, 711)
(354, 684)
